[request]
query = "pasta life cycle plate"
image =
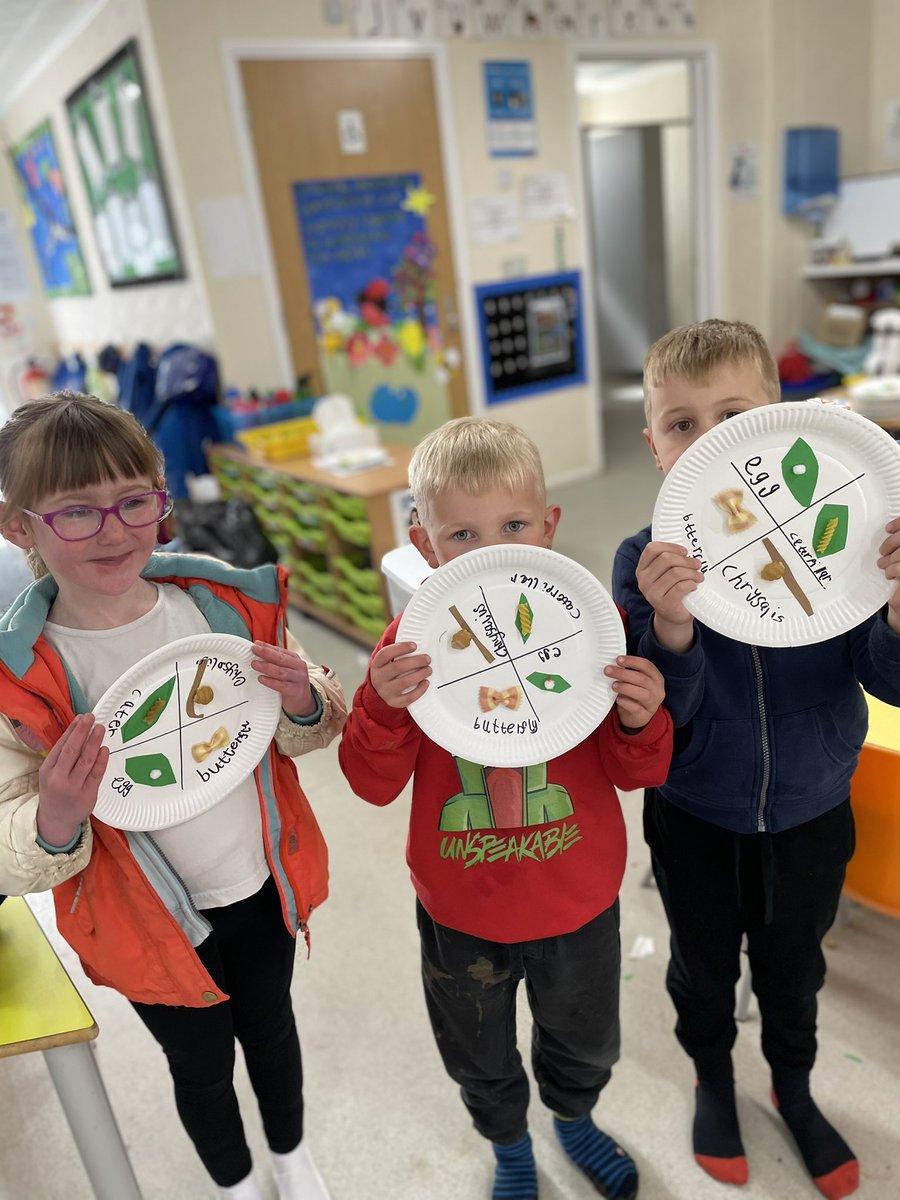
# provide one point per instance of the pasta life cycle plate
(518, 638)
(785, 507)
(184, 727)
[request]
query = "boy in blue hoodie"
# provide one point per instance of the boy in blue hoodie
(751, 833)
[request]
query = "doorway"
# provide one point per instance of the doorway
(644, 125)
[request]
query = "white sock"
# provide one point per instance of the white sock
(247, 1189)
(297, 1177)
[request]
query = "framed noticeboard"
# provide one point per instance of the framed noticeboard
(531, 335)
(116, 147)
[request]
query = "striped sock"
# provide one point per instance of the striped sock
(515, 1177)
(605, 1163)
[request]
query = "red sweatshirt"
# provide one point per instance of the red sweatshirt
(501, 854)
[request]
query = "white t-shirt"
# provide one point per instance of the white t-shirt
(218, 854)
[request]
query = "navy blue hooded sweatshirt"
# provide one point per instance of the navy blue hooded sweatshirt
(765, 739)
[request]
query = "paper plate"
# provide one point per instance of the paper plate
(518, 638)
(801, 491)
(184, 727)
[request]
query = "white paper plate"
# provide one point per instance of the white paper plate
(878, 387)
(154, 778)
(520, 694)
(850, 486)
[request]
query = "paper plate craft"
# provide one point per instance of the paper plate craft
(518, 638)
(184, 727)
(785, 507)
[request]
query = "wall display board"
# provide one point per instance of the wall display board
(48, 217)
(370, 266)
(113, 133)
(531, 335)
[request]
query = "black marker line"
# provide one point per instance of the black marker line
(502, 662)
(780, 525)
(180, 744)
(506, 652)
(169, 732)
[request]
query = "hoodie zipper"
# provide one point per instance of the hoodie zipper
(764, 735)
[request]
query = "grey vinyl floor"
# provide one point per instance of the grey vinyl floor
(383, 1121)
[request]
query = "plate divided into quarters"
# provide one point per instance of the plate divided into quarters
(518, 638)
(785, 506)
(184, 727)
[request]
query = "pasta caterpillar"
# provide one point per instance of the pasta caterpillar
(827, 534)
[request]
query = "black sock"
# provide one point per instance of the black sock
(717, 1136)
(821, 1147)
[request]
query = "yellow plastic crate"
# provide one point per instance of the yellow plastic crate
(283, 439)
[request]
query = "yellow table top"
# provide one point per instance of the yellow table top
(39, 1005)
(884, 725)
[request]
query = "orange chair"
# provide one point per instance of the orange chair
(873, 874)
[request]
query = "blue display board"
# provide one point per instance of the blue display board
(354, 233)
(531, 335)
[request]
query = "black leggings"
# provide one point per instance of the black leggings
(250, 955)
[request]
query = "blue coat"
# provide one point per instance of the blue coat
(765, 739)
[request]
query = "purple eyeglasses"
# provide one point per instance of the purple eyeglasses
(79, 522)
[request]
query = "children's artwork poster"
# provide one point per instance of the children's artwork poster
(48, 216)
(110, 119)
(509, 100)
(370, 273)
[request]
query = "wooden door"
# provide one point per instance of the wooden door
(366, 345)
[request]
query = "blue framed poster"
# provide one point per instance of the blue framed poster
(531, 335)
(509, 102)
(48, 216)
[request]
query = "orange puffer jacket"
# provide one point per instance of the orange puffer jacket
(120, 907)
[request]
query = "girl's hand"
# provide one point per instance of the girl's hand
(398, 675)
(285, 672)
(889, 550)
(639, 688)
(69, 779)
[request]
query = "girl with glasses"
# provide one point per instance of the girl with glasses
(196, 925)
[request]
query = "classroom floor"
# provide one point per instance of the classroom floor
(383, 1120)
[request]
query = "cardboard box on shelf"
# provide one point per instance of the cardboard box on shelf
(842, 325)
